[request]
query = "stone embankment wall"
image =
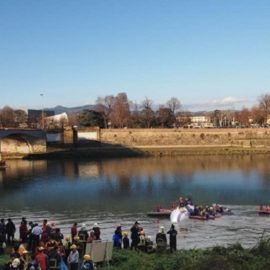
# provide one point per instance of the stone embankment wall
(241, 138)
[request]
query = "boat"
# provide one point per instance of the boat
(205, 217)
(175, 212)
(263, 210)
(264, 213)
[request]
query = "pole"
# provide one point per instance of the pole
(42, 112)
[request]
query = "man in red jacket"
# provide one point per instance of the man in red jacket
(42, 259)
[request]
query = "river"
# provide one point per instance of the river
(124, 190)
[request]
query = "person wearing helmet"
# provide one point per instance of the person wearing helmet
(87, 263)
(96, 229)
(125, 240)
(83, 234)
(73, 258)
(15, 264)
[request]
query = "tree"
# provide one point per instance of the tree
(147, 114)
(174, 104)
(264, 105)
(120, 111)
(257, 115)
(7, 117)
(90, 118)
(73, 119)
(104, 105)
(20, 118)
(243, 117)
(135, 116)
(216, 118)
(165, 117)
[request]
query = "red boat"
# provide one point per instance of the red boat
(263, 210)
(204, 217)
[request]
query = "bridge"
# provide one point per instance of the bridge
(22, 141)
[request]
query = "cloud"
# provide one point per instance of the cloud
(228, 102)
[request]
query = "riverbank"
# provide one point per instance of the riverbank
(107, 152)
(217, 258)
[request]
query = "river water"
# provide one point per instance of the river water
(124, 190)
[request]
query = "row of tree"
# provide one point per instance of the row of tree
(13, 118)
(119, 112)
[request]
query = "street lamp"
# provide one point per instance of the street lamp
(42, 112)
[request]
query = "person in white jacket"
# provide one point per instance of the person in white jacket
(73, 258)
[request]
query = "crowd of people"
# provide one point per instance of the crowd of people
(200, 210)
(44, 247)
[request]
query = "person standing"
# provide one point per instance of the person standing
(23, 230)
(42, 259)
(173, 234)
(73, 231)
(161, 239)
(118, 236)
(125, 240)
(10, 230)
(2, 231)
(35, 236)
(54, 256)
(87, 263)
(96, 229)
(83, 234)
(73, 258)
(135, 239)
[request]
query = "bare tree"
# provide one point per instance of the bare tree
(73, 119)
(104, 106)
(257, 115)
(243, 117)
(120, 111)
(174, 104)
(147, 114)
(264, 105)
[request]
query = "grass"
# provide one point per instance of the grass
(3, 260)
(217, 258)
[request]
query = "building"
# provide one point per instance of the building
(201, 121)
(56, 121)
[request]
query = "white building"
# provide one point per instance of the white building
(202, 121)
(58, 120)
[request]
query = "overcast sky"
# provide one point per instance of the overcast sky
(209, 54)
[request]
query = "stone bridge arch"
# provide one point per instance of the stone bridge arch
(22, 142)
(16, 144)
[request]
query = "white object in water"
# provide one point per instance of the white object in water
(178, 215)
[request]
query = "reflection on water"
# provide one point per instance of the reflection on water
(125, 189)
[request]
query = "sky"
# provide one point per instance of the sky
(207, 53)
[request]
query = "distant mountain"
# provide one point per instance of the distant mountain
(61, 109)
